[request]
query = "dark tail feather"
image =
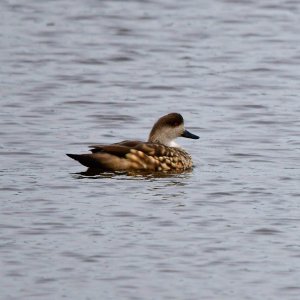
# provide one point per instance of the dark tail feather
(86, 160)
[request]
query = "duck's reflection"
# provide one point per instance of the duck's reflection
(98, 173)
(158, 188)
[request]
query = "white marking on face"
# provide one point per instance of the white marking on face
(173, 144)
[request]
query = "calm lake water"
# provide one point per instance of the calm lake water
(74, 73)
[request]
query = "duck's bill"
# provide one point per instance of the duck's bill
(189, 135)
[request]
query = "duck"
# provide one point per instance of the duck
(160, 153)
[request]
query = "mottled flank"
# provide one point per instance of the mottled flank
(156, 155)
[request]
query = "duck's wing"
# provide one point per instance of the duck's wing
(130, 144)
(126, 155)
(119, 149)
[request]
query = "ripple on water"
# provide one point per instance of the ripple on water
(103, 71)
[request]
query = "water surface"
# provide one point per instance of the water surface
(74, 73)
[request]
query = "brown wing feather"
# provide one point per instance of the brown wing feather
(130, 144)
(116, 150)
(119, 149)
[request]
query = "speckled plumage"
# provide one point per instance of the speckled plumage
(154, 155)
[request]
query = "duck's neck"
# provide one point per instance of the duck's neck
(164, 141)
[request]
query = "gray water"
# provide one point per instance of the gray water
(74, 73)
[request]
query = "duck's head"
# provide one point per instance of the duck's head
(168, 128)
